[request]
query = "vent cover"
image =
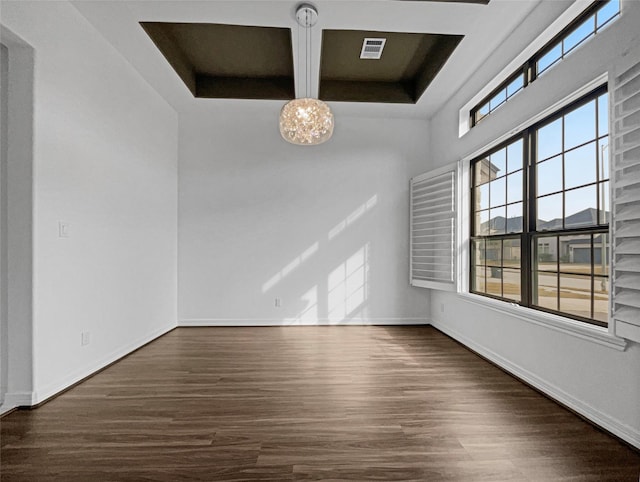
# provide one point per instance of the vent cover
(372, 48)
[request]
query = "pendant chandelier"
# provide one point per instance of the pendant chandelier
(306, 121)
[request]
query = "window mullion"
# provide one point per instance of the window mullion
(530, 71)
(593, 293)
(558, 272)
(531, 198)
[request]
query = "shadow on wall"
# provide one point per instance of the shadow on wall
(341, 292)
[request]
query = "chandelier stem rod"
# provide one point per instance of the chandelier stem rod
(298, 83)
(308, 41)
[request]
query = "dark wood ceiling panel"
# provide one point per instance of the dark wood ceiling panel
(409, 63)
(228, 61)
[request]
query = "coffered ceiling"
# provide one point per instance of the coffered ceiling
(243, 55)
(407, 65)
(228, 61)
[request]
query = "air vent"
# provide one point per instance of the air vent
(372, 48)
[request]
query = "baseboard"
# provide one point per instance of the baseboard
(625, 432)
(13, 400)
(297, 322)
(45, 393)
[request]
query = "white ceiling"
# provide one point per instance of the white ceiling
(484, 27)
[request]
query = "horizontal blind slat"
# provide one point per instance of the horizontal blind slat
(628, 314)
(628, 280)
(626, 263)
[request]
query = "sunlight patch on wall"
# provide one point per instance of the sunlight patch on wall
(348, 286)
(353, 217)
(290, 267)
(309, 314)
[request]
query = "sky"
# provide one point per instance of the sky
(583, 133)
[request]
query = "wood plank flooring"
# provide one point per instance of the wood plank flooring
(306, 403)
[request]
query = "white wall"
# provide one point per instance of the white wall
(4, 115)
(600, 382)
(323, 228)
(18, 299)
(105, 162)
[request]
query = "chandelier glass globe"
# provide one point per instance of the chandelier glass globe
(306, 121)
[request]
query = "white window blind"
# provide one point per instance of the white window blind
(626, 204)
(433, 230)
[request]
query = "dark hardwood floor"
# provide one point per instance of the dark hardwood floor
(306, 403)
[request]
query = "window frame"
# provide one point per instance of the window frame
(472, 237)
(565, 33)
(529, 231)
(522, 71)
(529, 67)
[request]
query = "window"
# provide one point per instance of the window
(595, 18)
(503, 93)
(592, 21)
(540, 223)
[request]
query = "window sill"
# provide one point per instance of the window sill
(568, 326)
